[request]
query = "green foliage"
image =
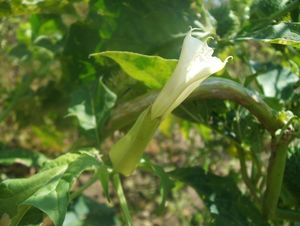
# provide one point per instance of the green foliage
(9, 156)
(153, 71)
(49, 189)
(291, 174)
(222, 197)
(14, 8)
(227, 22)
(277, 81)
(91, 105)
(262, 9)
(85, 211)
(15, 191)
(133, 26)
(166, 183)
(282, 33)
(103, 62)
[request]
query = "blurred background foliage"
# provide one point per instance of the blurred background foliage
(47, 77)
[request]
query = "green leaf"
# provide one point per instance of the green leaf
(33, 217)
(264, 9)
(227, 205)
(91, 105)
(277, 81)
(52, 199)
(85, 211)
(15, 191)
(166, 183)
(9, 156)
(125, 26)
(103, 175)
(153, 27)
(291, 173)
(49, 189)
(153, 71)
(282, 33)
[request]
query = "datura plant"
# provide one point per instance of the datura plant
(195, 64)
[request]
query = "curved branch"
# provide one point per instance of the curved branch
(212, 88)
(220, 88)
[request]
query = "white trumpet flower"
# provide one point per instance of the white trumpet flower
(195, 64)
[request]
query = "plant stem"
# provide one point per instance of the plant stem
(256, 168)
(275, 175)
(91, 181)
(212, 88)
(245, 176)
(118, 187)
(96, 130)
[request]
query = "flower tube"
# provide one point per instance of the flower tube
(126, 153)
(195, 64)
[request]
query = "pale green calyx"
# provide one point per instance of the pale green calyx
(127, 152)
(195, 64)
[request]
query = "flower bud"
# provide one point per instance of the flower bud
(195, 64)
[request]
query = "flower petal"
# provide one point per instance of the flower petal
(204, 72)
(196, 63)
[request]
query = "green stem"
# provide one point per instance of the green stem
(245, 176)
(225, 89)
(256, 173)
(212, 88)
(275, 176)
(90, 182)
(96, 130)
(123, 203)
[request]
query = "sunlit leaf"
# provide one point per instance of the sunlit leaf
(155, 27)
(49, 189)
(277, 81)
(15, 191)
(282, 33)
(153, 71)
